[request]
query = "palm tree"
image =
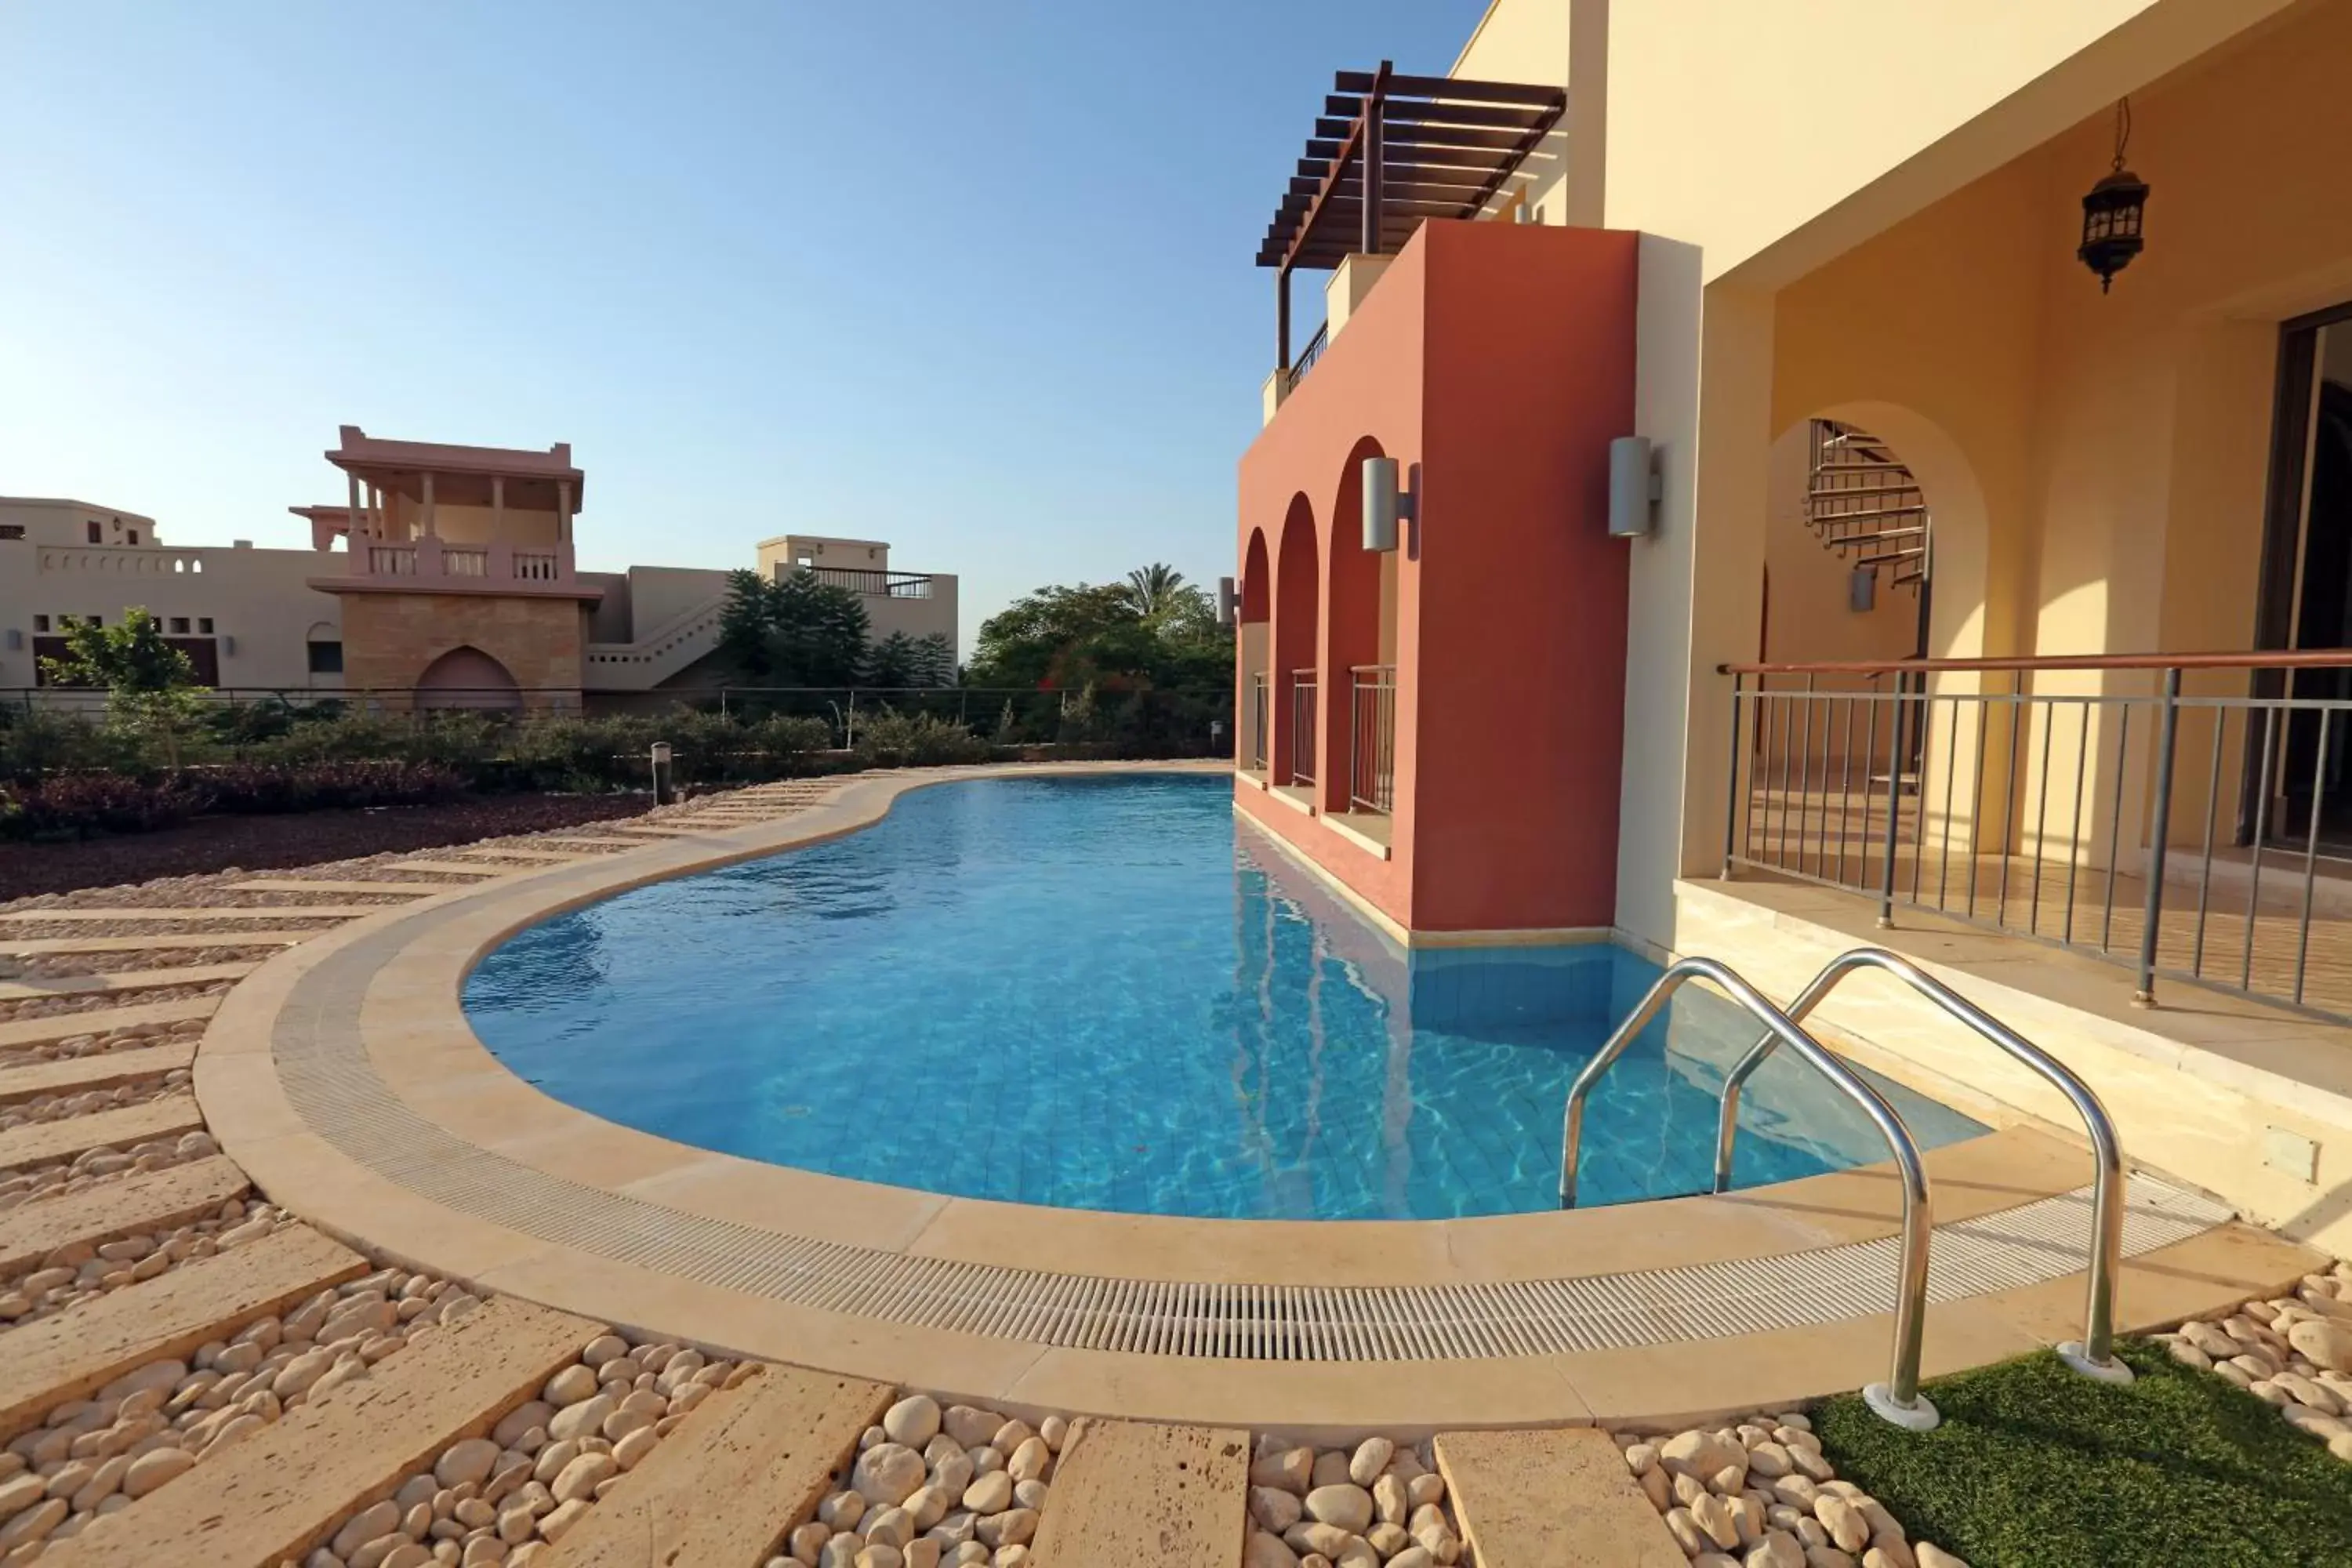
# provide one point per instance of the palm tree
(1153, 589)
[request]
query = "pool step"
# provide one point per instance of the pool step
(35, 946)
(721, 1492)
(1555, 1499)
(64, 1356)
(103, 1070)
(130, 1205)
(123, 980)
(45, 1143)
(102, 1020)
(283, 1490)
(1129, 1491)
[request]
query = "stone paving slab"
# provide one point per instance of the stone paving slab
(1125, 1492)
(273, 1497)
(149, 1201)
(452, 868)
(126, 980)
(103, 1070)
(297, 885)
(722, 1491)
(209, 912)
(42, 1142)
(102, 1020)
(35, 946)
(1556, 1498)
(94, 1342)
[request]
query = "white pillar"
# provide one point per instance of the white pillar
(432, 527)
(355, 519)
(497, 506)
(564, 511)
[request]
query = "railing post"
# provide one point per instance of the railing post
(1893, 801)
(2159, 829)
(1731, 774)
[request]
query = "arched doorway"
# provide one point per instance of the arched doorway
(465, 677)
(1297, 590)
(1256, 697)
(1360, 655)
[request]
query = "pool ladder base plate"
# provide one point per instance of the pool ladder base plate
(1919, 1416)
(2112, 1370)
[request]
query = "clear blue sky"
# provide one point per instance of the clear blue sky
(972, 278)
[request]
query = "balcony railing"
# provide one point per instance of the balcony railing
(1302, 726)
(1261, 718)
(875, 584)
(433, 561)
(1372, 738)
(2185, 815)
(1309, 355)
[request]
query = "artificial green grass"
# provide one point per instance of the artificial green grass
(2038, 1467)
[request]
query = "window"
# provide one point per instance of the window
(132, 536)
(203, 626)
(12, 531)
(40, 623)
(179, 625)
(96, 536)
(326, 658)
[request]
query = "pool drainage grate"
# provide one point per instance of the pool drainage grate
(322, 1062)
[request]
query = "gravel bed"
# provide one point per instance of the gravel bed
(84, 1103)
(74, 1273)
(509, 1497)
(2294, 1352)
(95, 1167)
(929, 1486)
(135, 1037)
(156, 1423)
(25, 1007)
(1380, 1501)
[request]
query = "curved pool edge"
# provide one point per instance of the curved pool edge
(343, 1077)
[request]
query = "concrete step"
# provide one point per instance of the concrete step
(35, 946)
(102, 1020)
(92, 1343)
(126, 1205)
(101, 1071)
(297, 885)
(46, 1142)
(1125, 1492)
(273, 1497)
(204, 912)
(722, 1490)
(124, 980)
(656, 830)
(451, 867)
(516, 852)
(1556, 1499)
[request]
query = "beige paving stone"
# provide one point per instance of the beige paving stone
(1127, 1491)
(1558, 1498)
(451, 867)
(34, 947)
(43, 1142)
(282, 1491)
(297, 885)
(92, 1343)
(127, 980)
(206, 912)
(65, 1025)
(723, 1490)
(149, 1201)
(100, 1071)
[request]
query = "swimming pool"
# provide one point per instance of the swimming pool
(1106, 993)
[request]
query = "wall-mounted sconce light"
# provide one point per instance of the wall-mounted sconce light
(1862, 590)
(1225, 601)
(1635, 487)
(228, 648)
(1385, 503)
(2112, 211)
(16, 639)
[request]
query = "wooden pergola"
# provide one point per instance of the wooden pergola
(1391, 151)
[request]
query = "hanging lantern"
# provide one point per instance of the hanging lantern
(2113, 211)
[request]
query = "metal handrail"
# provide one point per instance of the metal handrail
(2095, 1352)
(1898, 1399)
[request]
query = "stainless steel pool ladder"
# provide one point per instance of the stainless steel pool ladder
(2094, 1355)
(1898, 1399)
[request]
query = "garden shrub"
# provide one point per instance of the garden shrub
(255, 789)
(77, 805)
(886, 738)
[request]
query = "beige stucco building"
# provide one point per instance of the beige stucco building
(447, 576)
(1948, 521)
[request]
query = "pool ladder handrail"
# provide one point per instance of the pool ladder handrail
(2093, 1354)
(1897, 1399)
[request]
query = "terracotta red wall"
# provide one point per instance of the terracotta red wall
(1494, 362)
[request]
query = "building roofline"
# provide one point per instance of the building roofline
(68, 501)
(360, 450)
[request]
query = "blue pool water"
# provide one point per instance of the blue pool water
(1106, 993)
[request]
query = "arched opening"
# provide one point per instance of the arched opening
(323, 649)
(1296, 689)
(1255, 649)
(1360, 655)
(465, 677)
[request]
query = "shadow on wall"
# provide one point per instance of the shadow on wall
(465, 677)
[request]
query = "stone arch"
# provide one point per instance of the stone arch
(1297, 594)
(1254, 646)
(465, 677)
(1358, 624)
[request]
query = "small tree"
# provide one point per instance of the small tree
(150, 685)
(1150, 588)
